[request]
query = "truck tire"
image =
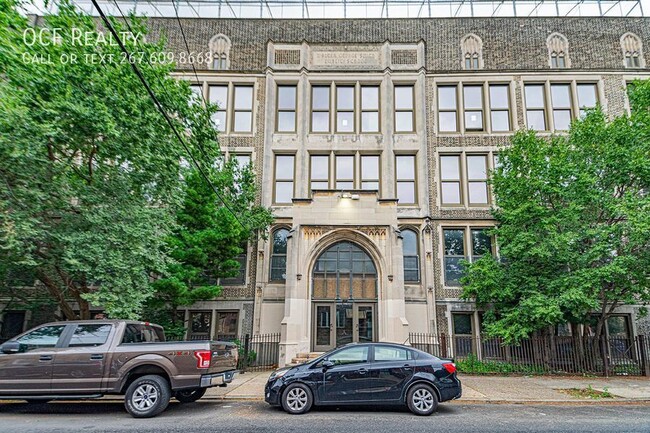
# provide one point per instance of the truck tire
(297, 399)
(147, 396)
(422, 399)
(190, 395)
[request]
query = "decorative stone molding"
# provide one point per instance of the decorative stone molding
(632, 48)
(220, 49)
(558, 51)
(471, 47)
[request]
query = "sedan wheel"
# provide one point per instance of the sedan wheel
(422, 400)
(297, 399)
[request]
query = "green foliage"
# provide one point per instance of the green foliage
(573, 225)
(92, 176)
(472, 365)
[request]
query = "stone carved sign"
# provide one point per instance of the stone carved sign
(346, 59)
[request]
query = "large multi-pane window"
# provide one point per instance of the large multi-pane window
(345, 109)
(219, 96)
(566, 101)
(405, 179)
(370, 172)
(344, 168)
(319, 171)
(447, 109)
(535, 107)
(243, 109)
(279, 255)
(286, 115)
(464, 184)
(455, 247)
(411, 256)
(369, 108)
(404, 109)
(227, 324)
(200, 324)
(499, 107)
(320, 109)
(473, 107)
(284, 173)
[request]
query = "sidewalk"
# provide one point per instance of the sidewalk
(488, 389)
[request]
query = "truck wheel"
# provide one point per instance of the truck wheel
(422, 399)
(190, 395)
(297, 399)
(147, 396)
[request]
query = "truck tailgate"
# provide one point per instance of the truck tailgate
(224, 357)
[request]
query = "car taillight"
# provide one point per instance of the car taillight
(203, 358)
(450, 367)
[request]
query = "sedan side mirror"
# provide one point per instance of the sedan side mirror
(10, 347)
(327, 364)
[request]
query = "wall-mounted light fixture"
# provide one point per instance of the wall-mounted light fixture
(349, 195)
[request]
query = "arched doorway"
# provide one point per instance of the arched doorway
(344, 297)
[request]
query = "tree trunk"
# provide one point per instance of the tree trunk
(57, 294)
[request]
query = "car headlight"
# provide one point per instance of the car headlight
(277, 374)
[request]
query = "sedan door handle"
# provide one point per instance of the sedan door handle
(96, 357)
(407, 366)
(45, 358)
(362, 371)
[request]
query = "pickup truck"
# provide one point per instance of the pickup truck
(93, 358)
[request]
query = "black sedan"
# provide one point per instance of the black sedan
(370, 373)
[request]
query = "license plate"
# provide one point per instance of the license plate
(217, 380)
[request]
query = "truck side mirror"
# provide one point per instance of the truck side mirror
(10, 347)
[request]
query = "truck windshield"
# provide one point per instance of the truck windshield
(141, 333)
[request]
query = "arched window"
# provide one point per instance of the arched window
(344, 272)
(632, 51)
(558, 51)
(411, 256)
(472, 49)
(279, 255)
(220, 50)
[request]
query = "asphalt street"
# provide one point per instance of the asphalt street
(256, 416)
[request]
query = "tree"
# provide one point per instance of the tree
(573, 226)
(205, 242)
(90, 172)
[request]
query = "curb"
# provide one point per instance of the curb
(550, 402)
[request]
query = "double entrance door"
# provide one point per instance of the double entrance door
(339, 324)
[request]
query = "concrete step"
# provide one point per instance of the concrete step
(301, 358)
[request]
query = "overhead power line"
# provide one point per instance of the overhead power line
(160, 108)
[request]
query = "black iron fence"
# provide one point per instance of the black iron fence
(256, 352)
(541, 355)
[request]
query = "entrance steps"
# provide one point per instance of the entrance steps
(301, 358)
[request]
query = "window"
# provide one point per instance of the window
(227, 325)
(219, 96)
(473, 106)
(462, 323)
(140, 333)
(200, 322)
(450, 179)
(220, 51)
(284, 167)
(242, 160)
(632, 51)
(558, 51)
(344, 171)
(43, 337)
(369, 108)
(345, 109)
(90, 335)
(454, 254)
(463, 333)
(587, 97)
(197, 93)
(320, 169)
(240, 278)
(370, 172)
(477, 179)
(411, 256)
(243, 109)
(447, 109)
(499, 107)
(353, 355)
(535, 108)
(11, 324)
(405, 179)
(561, 101)
(481, 243)
(472, 48)
(320, 109)
(286, 116)
(389, 353)
(404, 112)
(279, 255)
